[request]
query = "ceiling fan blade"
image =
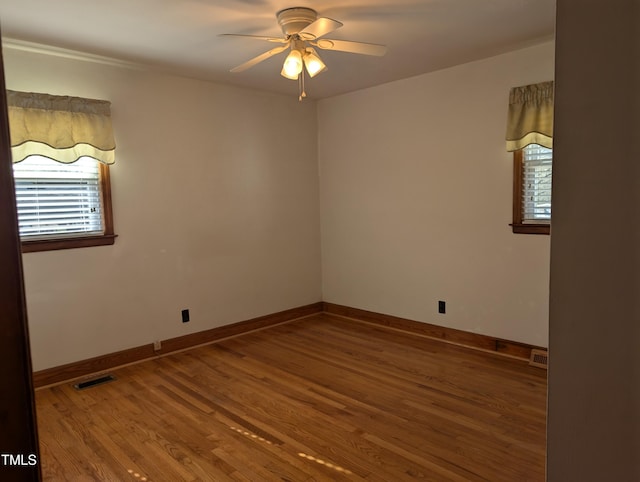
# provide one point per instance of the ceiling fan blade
(255, 37)
(320, 27)
(260, 58)
(353, 47)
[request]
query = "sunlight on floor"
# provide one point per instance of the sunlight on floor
(138, 476)
(325, 463)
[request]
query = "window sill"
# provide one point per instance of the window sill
(531, 228)
(67, 243)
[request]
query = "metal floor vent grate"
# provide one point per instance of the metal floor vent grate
(539, 358)
(94, 381)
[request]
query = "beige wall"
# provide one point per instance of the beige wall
(416, 191)
(213, 211)
(212, 215)
(594, 372)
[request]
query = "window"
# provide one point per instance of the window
(532, 174)
(62, 147)
(63, 205)
(530, 138)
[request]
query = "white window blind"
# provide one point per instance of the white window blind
(56, 199)
(536, 184)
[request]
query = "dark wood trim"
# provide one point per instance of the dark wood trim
(235, 329)
(518, 226)
(110, 361)
(98, 364)
(531, 228)
(105, 192)
(18, 434)
(72, 242)
(517, 187)
(450, 335)
(67, 243)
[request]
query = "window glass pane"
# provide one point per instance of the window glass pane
(58, 200)
(536, 179)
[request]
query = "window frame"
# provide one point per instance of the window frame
(70, 242)
(518, 226)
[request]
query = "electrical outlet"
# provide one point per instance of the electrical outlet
(185, 316)
(442, 307)
(157, 345)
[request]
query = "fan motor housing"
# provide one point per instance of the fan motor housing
(294, 20)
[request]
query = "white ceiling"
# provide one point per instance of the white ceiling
(181, 36)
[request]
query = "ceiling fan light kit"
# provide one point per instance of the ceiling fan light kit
(302, 30)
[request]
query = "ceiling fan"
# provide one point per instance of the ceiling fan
(302, 32)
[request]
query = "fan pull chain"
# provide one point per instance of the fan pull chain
(303, 94)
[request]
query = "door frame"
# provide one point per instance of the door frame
(19, 450)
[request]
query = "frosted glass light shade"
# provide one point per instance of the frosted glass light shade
(313, 63)
(292, 65)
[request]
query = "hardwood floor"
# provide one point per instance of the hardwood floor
(321, 398)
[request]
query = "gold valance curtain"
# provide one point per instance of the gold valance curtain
(530, 118)
(60, 127)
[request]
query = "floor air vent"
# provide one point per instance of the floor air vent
(94, 381)
(539, 358)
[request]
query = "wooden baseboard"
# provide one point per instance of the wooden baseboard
(450, 335)
(98, 364)
(83, 368)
